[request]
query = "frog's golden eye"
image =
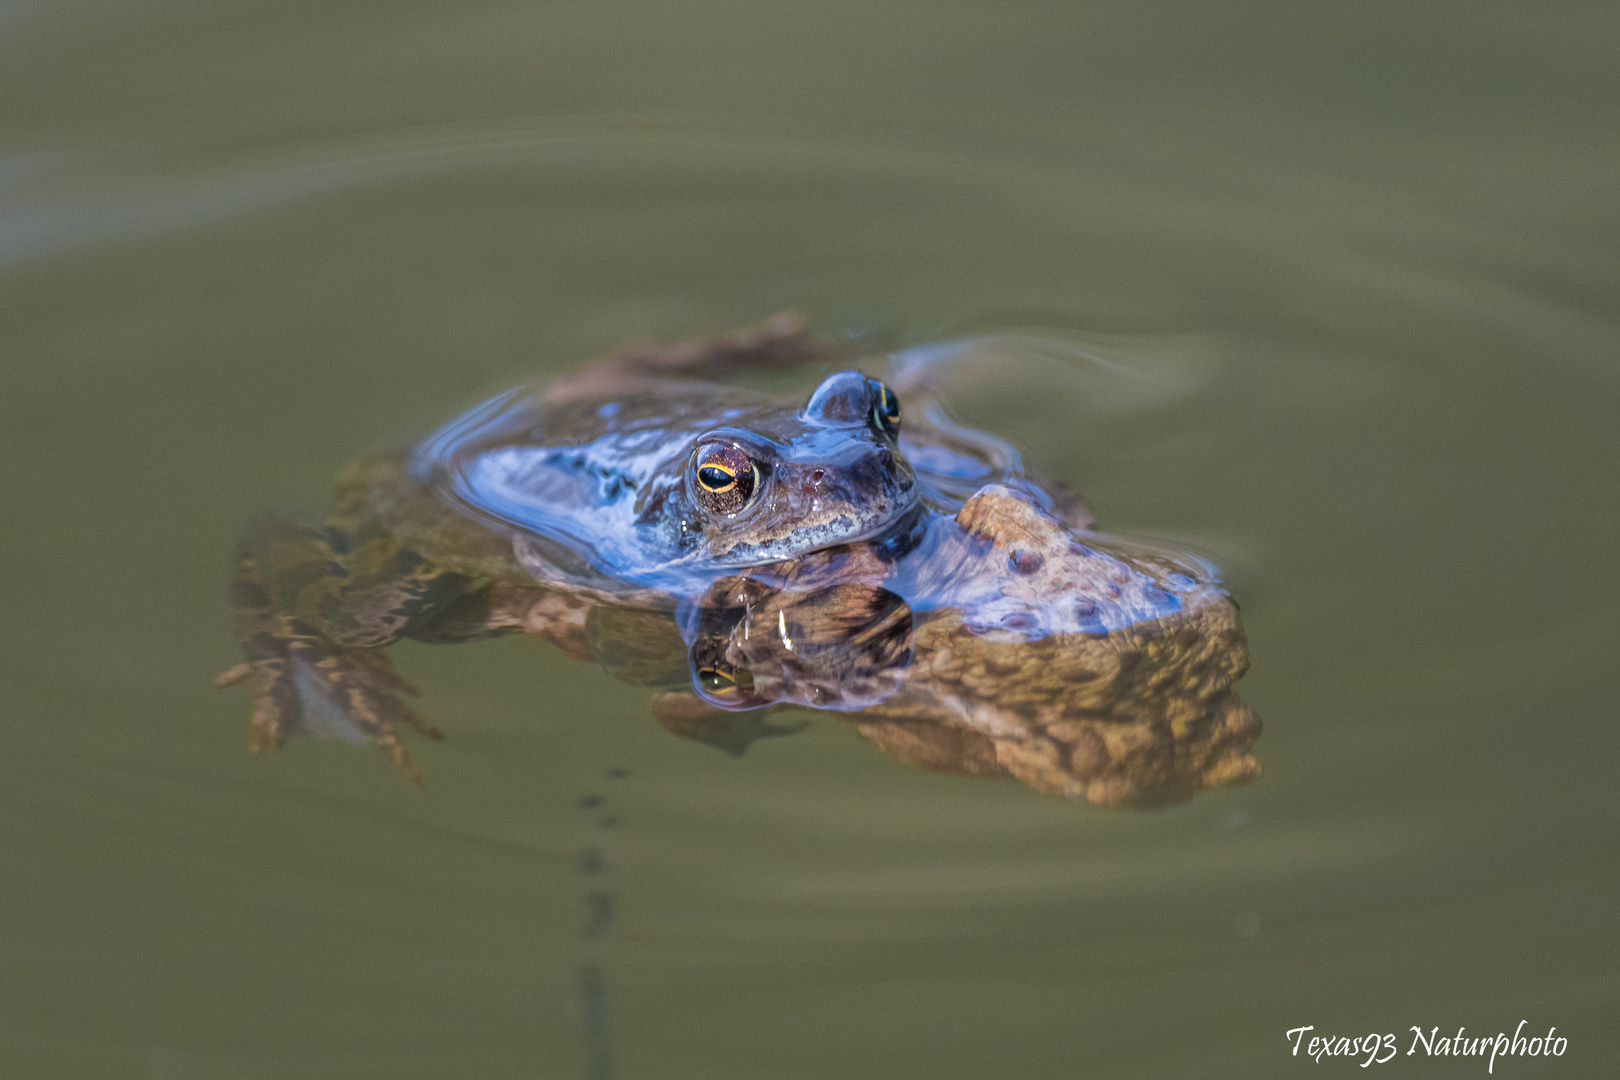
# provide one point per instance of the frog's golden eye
(885, 409)
(717, 477)
(715, 680)
(725, 478)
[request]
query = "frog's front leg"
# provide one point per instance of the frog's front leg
(313, 607)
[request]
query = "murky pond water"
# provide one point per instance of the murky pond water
(1348, 280)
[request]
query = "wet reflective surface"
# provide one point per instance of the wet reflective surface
(638, 477)
(1344, 283)
(999, 634)
(992, 659)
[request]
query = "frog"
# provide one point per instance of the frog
(1006, 645)
(630, 482)
(791, 554)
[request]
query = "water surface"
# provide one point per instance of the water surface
(1348, 280)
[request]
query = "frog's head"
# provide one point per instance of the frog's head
(795, 481)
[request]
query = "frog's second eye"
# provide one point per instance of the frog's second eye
(713, 680)
(885, 409)
(726, 478)
(724, 679)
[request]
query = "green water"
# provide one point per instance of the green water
(1354, 268)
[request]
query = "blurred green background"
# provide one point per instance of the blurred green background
(1353, 267)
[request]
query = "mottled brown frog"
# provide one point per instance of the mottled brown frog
(633, 514)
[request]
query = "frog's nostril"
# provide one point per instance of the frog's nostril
(817, 476)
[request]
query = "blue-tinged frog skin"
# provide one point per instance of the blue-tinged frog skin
(741, 553)
(667, 487)
(629, 482)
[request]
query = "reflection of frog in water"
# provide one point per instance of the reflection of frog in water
(698, 536)
(979, 653)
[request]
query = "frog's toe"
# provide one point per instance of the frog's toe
(376, 690)
(380, 673)
(355, 696)
(329, 691)
(235, 676)
(276, 712)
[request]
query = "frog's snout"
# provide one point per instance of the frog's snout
(877, 475)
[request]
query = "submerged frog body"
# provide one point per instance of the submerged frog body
(746, 554)
(1001, 645)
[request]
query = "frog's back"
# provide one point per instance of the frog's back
(383, 490)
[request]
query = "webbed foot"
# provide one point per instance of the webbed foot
(302, 682)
